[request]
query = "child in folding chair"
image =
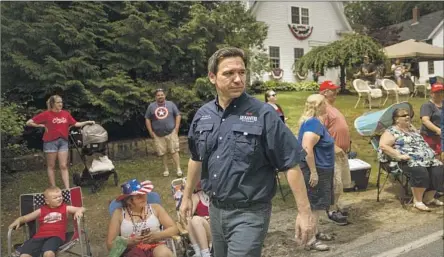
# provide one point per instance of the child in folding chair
(199, 226)
(52, 225)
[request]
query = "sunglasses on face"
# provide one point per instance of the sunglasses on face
(404, 115)
(272, 95)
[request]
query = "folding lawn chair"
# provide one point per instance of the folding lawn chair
(393, 169)
(152, 198)
(32, 202)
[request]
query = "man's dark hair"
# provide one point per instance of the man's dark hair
(213, 62)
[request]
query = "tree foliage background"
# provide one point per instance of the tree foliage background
(107, 58)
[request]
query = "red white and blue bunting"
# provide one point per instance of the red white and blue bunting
(277, 73)
(300, 32)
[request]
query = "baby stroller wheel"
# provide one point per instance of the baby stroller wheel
(116, 178)
(76, 179)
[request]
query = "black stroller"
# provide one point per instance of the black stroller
(91, 140)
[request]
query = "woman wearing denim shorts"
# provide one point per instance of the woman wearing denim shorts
(55, 139)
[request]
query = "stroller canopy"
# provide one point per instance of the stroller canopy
(94, 134)
(374, 123)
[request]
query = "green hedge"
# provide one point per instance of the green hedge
(260, 86)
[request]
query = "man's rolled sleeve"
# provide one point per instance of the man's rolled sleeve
(281, 146)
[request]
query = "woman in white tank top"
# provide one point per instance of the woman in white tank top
(139, 223)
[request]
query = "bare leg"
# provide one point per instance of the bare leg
(49, 254)
(165, 162)
(418, 193)
(25, 255)
(50, 164)
(198, 232)
(162, 251)
(63, 165)
(176, 159)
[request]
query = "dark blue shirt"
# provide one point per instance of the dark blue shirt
(324, 150)
(240, 149)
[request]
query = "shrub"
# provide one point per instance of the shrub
(259, 86)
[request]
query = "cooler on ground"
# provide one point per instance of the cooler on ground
(360, 173)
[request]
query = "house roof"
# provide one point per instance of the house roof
(337, 6)
(423, 29)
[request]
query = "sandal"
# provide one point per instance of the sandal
(318, 246)
(421, 206)
(435, 202)
(324, 237)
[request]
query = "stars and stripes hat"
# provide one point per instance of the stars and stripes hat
(134, 187)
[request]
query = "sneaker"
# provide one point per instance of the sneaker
(179, 173)
(166, 173)
(337, 218)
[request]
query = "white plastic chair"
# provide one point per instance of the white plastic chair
(420, 85)
(364, 91)
(392, 89)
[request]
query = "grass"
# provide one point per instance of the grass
(151, 168)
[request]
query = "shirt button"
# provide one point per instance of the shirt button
(223, 119)
(220, 138)
(214, 193)
(215, 175)
(235, 106)
(217, 157)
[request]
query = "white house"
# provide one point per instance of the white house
(428, 28)
(294, 28)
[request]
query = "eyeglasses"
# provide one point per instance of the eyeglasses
(272, 95)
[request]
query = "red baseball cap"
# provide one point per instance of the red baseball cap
(437, 87)
(327, 85)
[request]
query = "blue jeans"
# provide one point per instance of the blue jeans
(239, 232)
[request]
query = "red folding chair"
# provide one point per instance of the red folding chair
(75, 235)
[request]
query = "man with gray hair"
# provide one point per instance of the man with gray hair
(237, 143)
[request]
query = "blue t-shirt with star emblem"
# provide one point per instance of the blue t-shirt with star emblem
(162, 117)
(241, 148)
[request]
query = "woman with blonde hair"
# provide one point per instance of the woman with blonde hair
(318, 166)
(55, 138)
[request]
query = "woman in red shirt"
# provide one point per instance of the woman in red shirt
(199, 226)
(55, 139)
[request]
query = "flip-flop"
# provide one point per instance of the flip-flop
(421, 206)
(324, 237)
(318, 246)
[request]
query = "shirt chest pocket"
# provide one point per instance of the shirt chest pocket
(245, 141)
(202, 133)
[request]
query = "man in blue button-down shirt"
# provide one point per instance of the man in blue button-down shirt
(237, 143)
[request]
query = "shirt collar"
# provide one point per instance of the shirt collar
(235, 102)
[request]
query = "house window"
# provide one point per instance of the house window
(300, 16)
(431, 67)
(298, 53)
(274, 57)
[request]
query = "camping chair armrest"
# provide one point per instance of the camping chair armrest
(10, 241)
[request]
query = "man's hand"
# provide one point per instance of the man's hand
(314, 178)
(185, 209)
(438, 132)
(305, 228)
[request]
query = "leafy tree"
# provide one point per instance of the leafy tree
(344, 53)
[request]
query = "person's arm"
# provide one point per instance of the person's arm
(37, 121)
(386, 142)
(24, 219)
(149, 128)
(32, 123)
(83, 123)
(429, 124)
(77, 211)
(194, 173)
(170, 228)
(178, 118)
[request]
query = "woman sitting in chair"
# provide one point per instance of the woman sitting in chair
(402, 142)
(199, 226)
(139, 223)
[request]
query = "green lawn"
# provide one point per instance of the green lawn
(151, 168)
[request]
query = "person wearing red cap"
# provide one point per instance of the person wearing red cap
(431, 118)
(337, 127)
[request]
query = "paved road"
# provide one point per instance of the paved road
(424, 241)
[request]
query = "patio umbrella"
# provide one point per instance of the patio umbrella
(413, 49)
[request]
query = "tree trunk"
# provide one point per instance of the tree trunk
(342, 77)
